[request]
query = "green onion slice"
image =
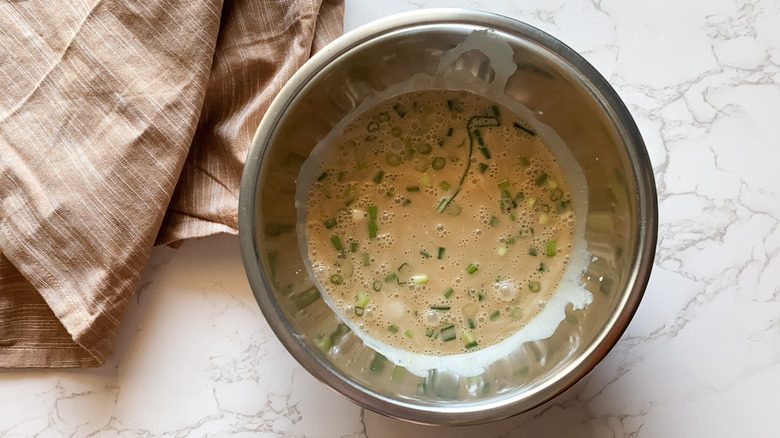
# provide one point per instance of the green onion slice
(448, 333)
(550, 248)
(336, 243)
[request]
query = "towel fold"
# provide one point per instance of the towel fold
(124, 124)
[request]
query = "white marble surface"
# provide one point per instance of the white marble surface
(194, 356)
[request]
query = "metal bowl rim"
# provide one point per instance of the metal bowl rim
(506, 406)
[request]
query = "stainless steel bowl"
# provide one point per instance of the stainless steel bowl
(569, 95)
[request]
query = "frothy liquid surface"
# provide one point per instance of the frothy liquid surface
(439, 223)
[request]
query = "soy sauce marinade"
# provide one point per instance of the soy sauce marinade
(440, 223)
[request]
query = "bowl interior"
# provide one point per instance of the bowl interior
(566, 94)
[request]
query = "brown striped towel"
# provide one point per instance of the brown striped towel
(111, 112)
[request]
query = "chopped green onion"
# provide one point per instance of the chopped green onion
(322, 176)
(424, 148)
(441, 253)
(398, 374)
(501, 251)
(530, 202)
(480, 296)
(478, 135)
(341, 176)
(373, 212)
(438, 163)
(445, 185)
(469, 341)
(472, 268)
(425, 180)
(322, 342)
(337, 335)
(409, 334)
(391, 277)
(541, 179)
(362, 299)
(494, 110)
(550, 246)
(510, 241)
(330, 223)
(412, 188)
(429, 333)
(366, 259)
(485, 152)
(534, 286)
(542, 267)
(377, 286)
(454, 106)
(393, 159)
(372, 229)
(359, 311)
(494, 316)
(493, 221)
(504, 183)
(471, 323)
(532, 251)
(505, 194)
(523, 128)
(406, 202)
(393, 329)
(483, 167)
(448, 333)
(516, 313)
(420, 279)
(543, 218)
(440, 307)
(525, 162)
(400, 110)
(378, 363)
(336, 243)
(556, 194)
(449, 132)
(353, 247)
(448, 293)
(372, 127)
(306, 297)
(425, 254)
(378, 177)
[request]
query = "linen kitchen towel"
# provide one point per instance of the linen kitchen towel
(122, 125)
